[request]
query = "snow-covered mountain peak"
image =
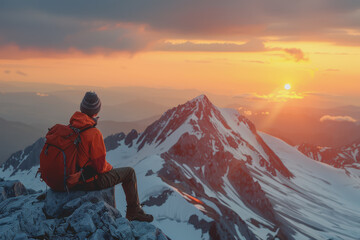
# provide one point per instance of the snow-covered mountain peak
(200, 124)
(195, 117)
(183, 118)
(201, 99)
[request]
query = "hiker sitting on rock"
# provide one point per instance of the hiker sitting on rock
(92, 171)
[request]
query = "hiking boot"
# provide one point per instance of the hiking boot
(139, 215)
(41, 197)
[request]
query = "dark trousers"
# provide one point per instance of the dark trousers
(125, 175)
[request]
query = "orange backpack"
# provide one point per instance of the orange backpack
(59, 168)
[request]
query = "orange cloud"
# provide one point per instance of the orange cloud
(254, 45)
(250, 46)
(280, 96)
(42, 94)
(248, 112)
(15, 52)
(337, 118)
(296, 53)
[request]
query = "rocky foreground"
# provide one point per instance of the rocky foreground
(77, 215)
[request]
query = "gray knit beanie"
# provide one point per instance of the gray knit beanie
(90, 104)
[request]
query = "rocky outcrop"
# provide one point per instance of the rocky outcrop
(250, 190)
(10, 189)
(74, 215)
(131, 137)
(345, 156)
(63, 204)
(112, 141)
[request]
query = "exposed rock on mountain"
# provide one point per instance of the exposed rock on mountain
(24, 160)
(112, 141)
(340, 157)
(202, 141)
(10, 189)
(131, 137)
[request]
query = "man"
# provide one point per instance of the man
(97, 173)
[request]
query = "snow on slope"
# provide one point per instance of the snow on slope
(27, 177)
(321, 202)
(173, 214)
(23, 166)
(199, 120)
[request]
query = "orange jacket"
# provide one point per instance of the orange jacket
(92, 147)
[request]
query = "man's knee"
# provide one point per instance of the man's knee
(132, 173)
(126, 173)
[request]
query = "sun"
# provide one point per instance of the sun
(287, 86)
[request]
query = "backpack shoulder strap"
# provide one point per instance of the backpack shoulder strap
(78, 140)
(78, 131)
(87, 128)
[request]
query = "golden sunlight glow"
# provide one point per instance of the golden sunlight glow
(227, 73)
(287, 86)
(280, 96)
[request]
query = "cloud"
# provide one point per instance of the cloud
(251, 46)
(279, 96)
(131, 26)
(41, 31)
(296, 53)
(330, 53)
(322, 94)
(254, 61)
(42, 94)
(254, 45)
(17, 72)
(250, 96)
(337, 118)
(21, 73)
(248, 112)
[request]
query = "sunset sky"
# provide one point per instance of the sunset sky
(246, 48)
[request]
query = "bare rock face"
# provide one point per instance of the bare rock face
(74, 215)
(62, 204)
(10, 189)
(131, 137)
(112, 141)
(24, 159)
(340, 157)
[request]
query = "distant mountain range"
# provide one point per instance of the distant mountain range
(15, 136)
(297, 125)
(206, 173)
(43, 110)
(26, 116)
(47, 104)
(340, 157)
(111, 127)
